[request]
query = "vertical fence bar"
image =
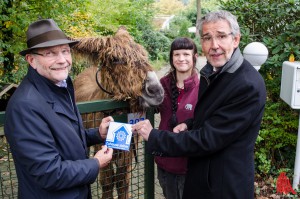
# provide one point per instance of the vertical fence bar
(2, 115)
(149, 164)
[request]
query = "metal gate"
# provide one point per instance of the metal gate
(140, 172)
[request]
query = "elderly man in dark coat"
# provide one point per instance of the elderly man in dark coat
(219, 141)
(43, 126)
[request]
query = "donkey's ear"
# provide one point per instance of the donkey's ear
(122, 30)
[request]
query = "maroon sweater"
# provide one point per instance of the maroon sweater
(185, 111)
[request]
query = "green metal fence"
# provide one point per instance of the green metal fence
(141, 183)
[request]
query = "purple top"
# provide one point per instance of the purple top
(185, 111)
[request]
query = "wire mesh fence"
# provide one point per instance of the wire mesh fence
(130, 174)
(9, 182)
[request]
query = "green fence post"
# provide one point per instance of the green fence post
(149, 164)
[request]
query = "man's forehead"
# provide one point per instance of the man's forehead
(55, 47)
(218, 27)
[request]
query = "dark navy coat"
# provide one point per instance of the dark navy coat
(48, 142)
(220, 144)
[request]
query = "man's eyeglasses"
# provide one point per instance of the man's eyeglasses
(220, 38)
(53, 54)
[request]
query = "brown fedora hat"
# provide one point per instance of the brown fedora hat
(45, 33)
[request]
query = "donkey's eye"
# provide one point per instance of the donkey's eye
(117, 61)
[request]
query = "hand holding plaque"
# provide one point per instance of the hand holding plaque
(119, 136)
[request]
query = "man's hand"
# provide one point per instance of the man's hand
(103, 128)
(180, 127)
(104, 156)
(143, 128)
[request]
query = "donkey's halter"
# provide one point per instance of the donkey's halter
(100, 86)
(132, 140)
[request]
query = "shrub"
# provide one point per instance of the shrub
(156, 43)
(276, 24)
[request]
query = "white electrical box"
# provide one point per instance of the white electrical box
(290, 84)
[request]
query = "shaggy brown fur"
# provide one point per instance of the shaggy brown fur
(124, 66)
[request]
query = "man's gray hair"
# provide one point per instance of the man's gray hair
(216, 16)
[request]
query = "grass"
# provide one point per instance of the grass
(158, 64)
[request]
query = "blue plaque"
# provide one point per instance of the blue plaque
(119, 136)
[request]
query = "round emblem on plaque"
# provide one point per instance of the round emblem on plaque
(121, 135)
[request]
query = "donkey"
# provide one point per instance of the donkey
(121, 71)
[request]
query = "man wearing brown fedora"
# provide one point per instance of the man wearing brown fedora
(43, 125)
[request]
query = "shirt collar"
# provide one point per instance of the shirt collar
(62, 83)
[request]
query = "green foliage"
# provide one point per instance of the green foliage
(276, 24)
(179, 27)
(105, 17)
(15, 16)
(168, 7)
(78, 18)
(110, 15)
(136, 16)
(187, 18)
(156, 43)
(206, 6)
(158, 64)
(180, 23)
(209, 5)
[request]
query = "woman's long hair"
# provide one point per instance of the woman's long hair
(179, 44)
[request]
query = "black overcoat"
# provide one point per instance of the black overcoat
(220, 145)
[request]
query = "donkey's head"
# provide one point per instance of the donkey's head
(125, 71)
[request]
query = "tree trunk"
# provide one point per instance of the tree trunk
(198, 17)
